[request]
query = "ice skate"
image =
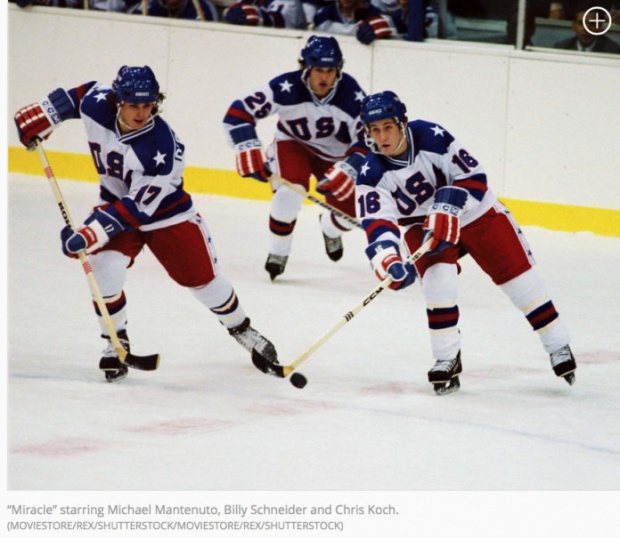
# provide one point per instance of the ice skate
(275, 265)
(563, 364)
(254, 342)
(120, 371)
(333, 246)
(444, 375)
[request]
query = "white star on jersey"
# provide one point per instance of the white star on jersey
(286, 86)
(100, 96)
(160, 158)
(359, 96)
(437, 130)
(364, 169)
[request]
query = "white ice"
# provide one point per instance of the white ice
(368, 421)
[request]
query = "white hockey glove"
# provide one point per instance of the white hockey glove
(386, 261)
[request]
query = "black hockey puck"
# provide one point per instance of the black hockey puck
(298, 380)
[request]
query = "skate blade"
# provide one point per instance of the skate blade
(114, 376)
(569, 378)
(441, 389)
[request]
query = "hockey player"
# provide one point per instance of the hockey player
(318, 133)
(421, 180)
(140, 162)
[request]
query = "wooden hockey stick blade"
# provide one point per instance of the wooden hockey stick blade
(280, 370)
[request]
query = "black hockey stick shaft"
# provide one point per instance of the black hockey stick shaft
(146, 362)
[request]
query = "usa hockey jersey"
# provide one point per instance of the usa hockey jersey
(141, 172)
(393, 193)
(329, 127)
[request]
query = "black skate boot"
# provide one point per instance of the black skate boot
(275, 265)
(563, 364)
(444, 375)
(333, 246)
(254, 342)
(120, 370)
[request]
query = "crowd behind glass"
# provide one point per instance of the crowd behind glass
(569, 24)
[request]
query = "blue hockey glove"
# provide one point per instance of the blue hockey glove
(386, 261)
(96, 231)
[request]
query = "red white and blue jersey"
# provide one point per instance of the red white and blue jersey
(393, 193)
(140, 172)
(329, 127)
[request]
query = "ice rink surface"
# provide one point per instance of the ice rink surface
(368, 422)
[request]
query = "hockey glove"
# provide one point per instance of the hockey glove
(339, 181)
(33, 123)
(250, 160)
(379, 27)
(442, 219)
(96, 231)
(386, 261)
(243, 14)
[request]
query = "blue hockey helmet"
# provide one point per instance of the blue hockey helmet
(136, 85)
(321, 52)
(381, 106)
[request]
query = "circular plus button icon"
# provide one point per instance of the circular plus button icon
(597, 20)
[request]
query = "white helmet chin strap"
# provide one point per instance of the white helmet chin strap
(403, 139)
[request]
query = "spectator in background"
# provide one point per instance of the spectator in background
(199, 10)
(119, 6)
(586, 41)
(356, 17)
(615, 13)
(567, 9)
(270, 13)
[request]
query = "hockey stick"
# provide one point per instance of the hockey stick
(279, 370)
(146, 362)
(301, 191)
